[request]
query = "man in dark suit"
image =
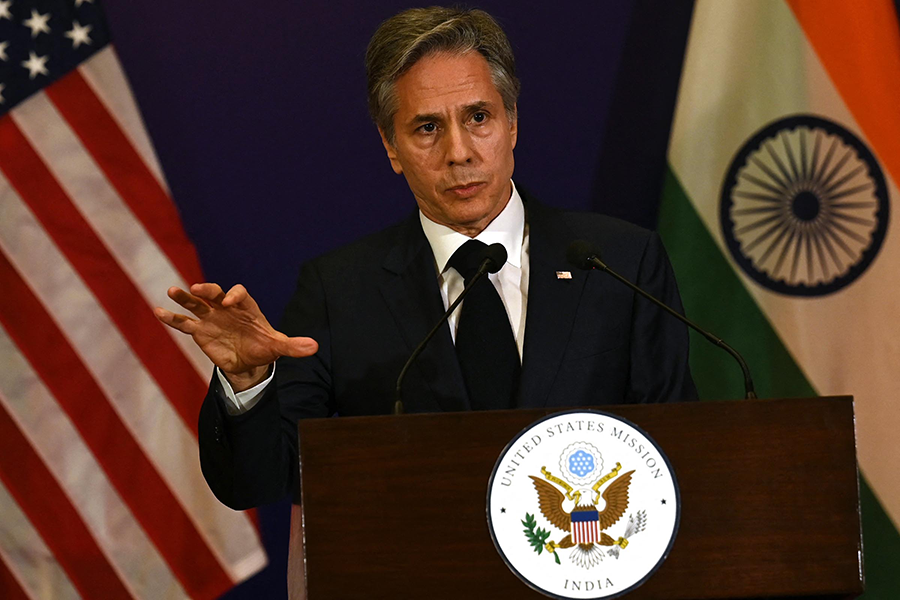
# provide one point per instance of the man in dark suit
(442, 90)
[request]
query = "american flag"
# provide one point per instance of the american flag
(101, 494)
(585, 526)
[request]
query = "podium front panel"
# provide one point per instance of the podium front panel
(394, 507)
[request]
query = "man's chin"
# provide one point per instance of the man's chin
(473, 222)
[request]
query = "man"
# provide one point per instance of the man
(442, 91)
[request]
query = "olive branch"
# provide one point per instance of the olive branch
(537, 537)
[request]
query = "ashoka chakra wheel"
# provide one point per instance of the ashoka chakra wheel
(804, 207)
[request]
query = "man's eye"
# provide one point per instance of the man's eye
(429, 127)
(479, 117)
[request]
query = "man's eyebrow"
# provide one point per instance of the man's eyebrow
(426, 118)
(476, 106)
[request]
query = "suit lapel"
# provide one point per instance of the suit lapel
(411, 292)
(552, 302)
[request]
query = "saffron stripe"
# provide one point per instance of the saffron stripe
(68, 379)
(124, 168)
(28, 174)
(138, 401)
(859, 46)
(54, 517)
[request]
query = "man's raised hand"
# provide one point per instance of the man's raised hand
(232, 332)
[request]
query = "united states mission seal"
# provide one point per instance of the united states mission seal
(583, 504)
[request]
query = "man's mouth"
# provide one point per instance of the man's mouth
(466, 190)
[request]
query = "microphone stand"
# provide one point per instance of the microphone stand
(481, 272)
(749, 391)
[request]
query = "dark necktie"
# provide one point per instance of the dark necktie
(485, 344)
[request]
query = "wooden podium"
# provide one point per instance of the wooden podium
(394, 507)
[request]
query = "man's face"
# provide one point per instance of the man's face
(453, 141)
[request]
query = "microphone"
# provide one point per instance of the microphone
(489, 260)
(584, 255)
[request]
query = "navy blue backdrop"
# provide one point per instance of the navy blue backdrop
(258, 115)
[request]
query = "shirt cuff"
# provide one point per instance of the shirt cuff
(240, 402)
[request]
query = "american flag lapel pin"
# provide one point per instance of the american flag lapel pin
(564, 274)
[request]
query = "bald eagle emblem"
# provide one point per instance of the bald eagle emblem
(590, 511)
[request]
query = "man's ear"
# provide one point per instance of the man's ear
(514, 126)
(391, 152)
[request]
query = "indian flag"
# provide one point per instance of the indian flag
(779, 215)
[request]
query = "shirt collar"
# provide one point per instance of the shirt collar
(507, 228)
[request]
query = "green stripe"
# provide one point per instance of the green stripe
(881, 548)
(715, 298)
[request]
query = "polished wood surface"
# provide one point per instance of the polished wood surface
(395, 506)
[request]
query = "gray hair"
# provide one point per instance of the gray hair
(418, 32)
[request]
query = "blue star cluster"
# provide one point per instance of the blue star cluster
(581, 463)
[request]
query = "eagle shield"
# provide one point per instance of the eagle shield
(585, 523)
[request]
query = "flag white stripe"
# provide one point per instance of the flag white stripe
(28, 557)
(91, 193)
(105, 76)
(133, 394)
(50, 432)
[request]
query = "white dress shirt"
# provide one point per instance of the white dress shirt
(508, 228)
(511, 281)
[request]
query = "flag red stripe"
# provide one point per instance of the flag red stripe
(9, 586)
(125, 170)
(161, 356)
(53, 516)
(130, 472)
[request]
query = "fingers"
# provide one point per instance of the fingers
(188, 301)
(202, 295)
(182, 323)
(210, 292)
(298, 347)
(235, 296)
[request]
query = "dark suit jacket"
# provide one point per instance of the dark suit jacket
(588, 341)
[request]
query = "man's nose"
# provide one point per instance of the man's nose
(458, 146)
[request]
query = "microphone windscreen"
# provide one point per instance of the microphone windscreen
(579, 254)
(497, 255)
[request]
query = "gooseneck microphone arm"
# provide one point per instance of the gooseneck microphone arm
(582, 255)
(493, 261)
